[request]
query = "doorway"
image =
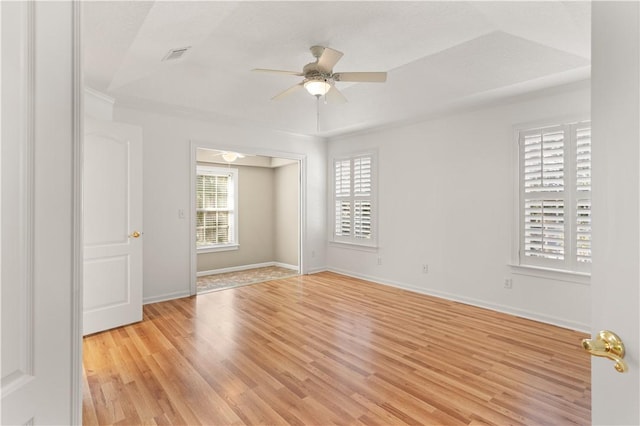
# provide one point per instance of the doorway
(245, 216)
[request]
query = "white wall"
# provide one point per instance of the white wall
(446, 199)
(167, 190)
(286, 214)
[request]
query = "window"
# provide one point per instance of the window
(216, 208)
(354, 200)
(555, 197)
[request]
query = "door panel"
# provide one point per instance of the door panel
(39, 345)
(112, 212)
(110, 281)
(106, 199)
(615, 275)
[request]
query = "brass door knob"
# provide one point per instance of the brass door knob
(607, 344)
(135, 234)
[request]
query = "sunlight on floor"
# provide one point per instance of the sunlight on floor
(250, 276)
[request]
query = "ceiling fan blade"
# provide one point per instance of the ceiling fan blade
(335, 96)
(361, 77)
(289, 91)
(328, 59)
(299, 74)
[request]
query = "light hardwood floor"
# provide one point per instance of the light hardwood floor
(325, 349)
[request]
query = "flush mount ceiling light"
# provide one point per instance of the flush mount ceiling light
(230, 157)
(317, 86)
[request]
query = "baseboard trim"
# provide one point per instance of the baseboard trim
(165, 297)
(286, 266)
(317, 270)
(536, 316)
(245, 267)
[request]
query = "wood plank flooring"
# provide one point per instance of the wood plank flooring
(328, 349)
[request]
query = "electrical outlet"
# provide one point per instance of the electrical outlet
(425, 269)
(379, 261)
(508, 283)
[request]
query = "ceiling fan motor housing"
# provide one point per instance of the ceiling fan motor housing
(316, 51)
(312, 70)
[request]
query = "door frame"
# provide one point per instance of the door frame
(77, 225)
(249, 150)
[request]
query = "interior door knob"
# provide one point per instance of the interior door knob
(607, 344)
(135, 234)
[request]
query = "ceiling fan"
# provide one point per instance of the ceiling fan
(319, 78)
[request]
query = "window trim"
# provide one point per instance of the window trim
(544, 270)
(235, 243)
(351, 241)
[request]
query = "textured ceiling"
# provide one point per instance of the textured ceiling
(437, 55)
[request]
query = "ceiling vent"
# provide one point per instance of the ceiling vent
(176, 53)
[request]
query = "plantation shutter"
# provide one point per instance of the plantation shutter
(543, 169)
(353, 195)
(362, 194)
(583, 193)
(555, 197)
(342, 169)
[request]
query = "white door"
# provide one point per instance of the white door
(41, 376)
(112, 225)
(615, 279)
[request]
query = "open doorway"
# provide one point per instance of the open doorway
(245, 218)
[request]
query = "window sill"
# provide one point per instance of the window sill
(552, 274)
(214, 249)
(354, 246)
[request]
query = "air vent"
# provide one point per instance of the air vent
(176, 53)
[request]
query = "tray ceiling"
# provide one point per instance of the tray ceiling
(437, 54)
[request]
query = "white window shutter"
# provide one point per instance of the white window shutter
(544, 205)
(354, 203)
(583, 193)
(555, 197)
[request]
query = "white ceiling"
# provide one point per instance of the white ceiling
(437, 55)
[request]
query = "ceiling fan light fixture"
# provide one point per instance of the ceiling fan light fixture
(230, 157)
(318, 87)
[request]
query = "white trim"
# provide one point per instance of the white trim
(99, 95)
(353, 246)
(552, 274)
(536, 316)
(234, 269)
(217, 248)
(567, 81)
(28, 184)
(245, 267)
(302, 197)
(317, 270)
(286, 266)
(77, 219)
(165, 297)
(24, 373)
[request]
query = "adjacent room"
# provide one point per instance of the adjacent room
(255, 194)
(321, 212)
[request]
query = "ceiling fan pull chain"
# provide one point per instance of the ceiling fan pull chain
(318, 113)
